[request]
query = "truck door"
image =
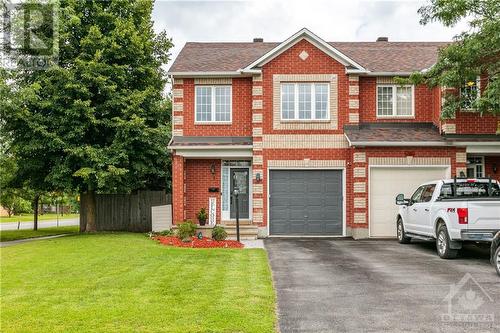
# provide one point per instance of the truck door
(423, 211)
(412, 221)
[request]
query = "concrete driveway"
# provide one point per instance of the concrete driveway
(380, 285)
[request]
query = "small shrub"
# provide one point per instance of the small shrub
(219, 233)
(167, 232)
(186, 230)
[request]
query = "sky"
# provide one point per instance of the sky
(275, 21)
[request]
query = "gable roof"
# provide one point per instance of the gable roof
(311, 38)
(375, 57)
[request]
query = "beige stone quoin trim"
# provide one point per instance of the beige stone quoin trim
(294, 125)
(359, 172)
(177, 132)
(359, 157)
(359, 217)
(302, 141)
(354, 117)
(359, 187)
(306, 163)
(256, 90)
(178, 120)
(257, 188)
(178, 107)
(409, 160)
(178, 93)
(257, 78)
(461, 158)
(213, 81)
(257, 145)
(257, 118)
(449, 128)
(359, 202)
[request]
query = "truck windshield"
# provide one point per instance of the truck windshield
(470, 190)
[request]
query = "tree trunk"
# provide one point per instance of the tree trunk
(89, 211)
(35, 211)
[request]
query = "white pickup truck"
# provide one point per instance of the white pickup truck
(450, 212)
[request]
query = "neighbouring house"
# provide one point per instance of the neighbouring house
(316, 136)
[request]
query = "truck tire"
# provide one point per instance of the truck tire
(496, 260)
(400, 231)
(443, 244)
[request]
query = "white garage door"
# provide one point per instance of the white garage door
(385, 184)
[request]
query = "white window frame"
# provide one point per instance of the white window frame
(213, 105)
(394, 101)
(313, 102)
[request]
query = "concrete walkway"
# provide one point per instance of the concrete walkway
(41, 224)
(27, 240)
(253, 244)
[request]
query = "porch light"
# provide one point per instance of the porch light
(494, 168)
(257, 176)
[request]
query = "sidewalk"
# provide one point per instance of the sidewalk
(27, 240)
(41, 224)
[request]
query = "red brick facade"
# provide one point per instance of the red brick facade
(253, 116)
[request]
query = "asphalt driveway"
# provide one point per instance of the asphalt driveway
(379, 285)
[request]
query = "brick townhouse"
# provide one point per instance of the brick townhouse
(315, 135)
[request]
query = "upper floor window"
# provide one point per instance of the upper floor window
(469, 93)
(213, 104)
(395, 101)
(305, 101)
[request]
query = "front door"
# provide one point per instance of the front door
(239, 180)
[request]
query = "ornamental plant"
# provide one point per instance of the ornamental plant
(186, 230)
(219, 233)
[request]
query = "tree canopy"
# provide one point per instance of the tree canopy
(473, 53)
(97, 120)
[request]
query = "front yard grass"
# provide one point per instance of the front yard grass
(121, 282)
(10, 235)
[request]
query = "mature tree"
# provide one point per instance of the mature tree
(474, 53)
(97, 122)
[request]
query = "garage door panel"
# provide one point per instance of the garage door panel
(385, 184)
(307, 202)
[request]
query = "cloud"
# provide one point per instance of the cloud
(277, 20)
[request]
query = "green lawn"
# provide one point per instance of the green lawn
(125, 282)
(29, 217)
(9, 235)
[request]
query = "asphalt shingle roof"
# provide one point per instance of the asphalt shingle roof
(393, 133)
(374, 56)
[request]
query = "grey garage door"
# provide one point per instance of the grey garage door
(305, 202)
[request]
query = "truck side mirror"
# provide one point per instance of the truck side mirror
(400, 200)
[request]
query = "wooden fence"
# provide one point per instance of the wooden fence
(125, 212)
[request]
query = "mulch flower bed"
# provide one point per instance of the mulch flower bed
(198, 243)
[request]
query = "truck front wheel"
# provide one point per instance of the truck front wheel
(402, 238)
(443, 244)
